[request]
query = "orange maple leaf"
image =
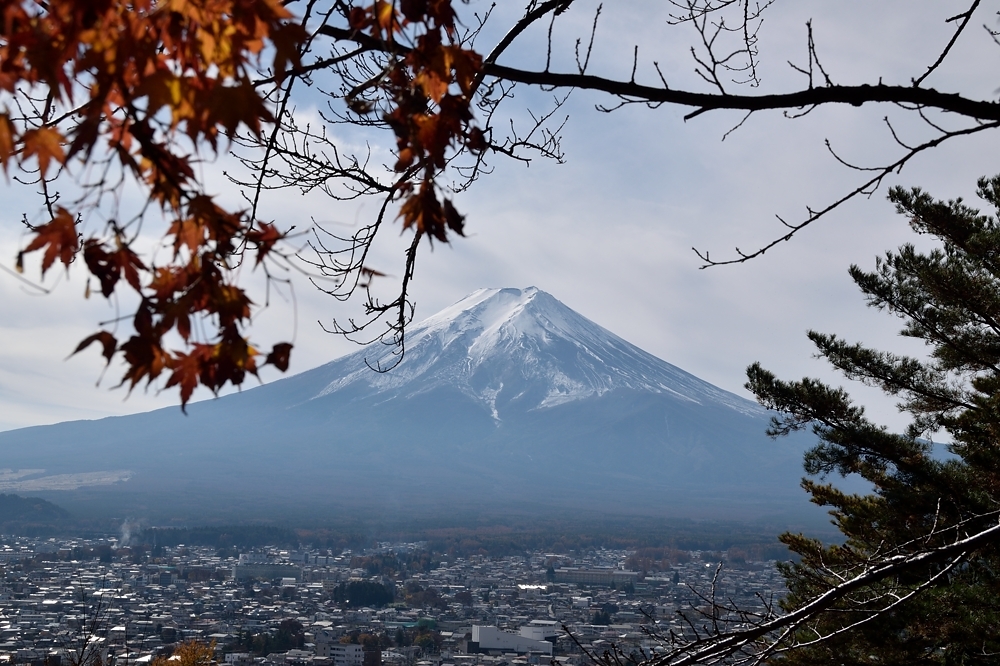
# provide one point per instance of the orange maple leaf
(8, 135)
(385, 16)
(433, 85)
(190, 232)
(187, 371)
(58, 237)
(45, 144)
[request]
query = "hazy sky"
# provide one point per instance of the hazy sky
(610, 231)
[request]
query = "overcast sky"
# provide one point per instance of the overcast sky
(610, 232)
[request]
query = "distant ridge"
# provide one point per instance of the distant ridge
(507, 400)
(33, 514)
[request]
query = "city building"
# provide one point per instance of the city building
(491, 639)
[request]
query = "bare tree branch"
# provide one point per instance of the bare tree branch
(865, 188)
(733, 636)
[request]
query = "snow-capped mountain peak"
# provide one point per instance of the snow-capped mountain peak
(493, 316)
(522, 349)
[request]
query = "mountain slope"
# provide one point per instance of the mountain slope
(507, 398)
(526, 348)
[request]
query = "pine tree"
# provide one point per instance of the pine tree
(938, 602)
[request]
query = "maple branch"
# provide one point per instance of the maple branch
(857, 95)
(320, 64)
(965, 16)
(269, 146)
(852, 95)
(526, 21)
(403, 307)
(329, 264)
(865, 188)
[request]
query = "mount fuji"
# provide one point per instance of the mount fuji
(507, 400)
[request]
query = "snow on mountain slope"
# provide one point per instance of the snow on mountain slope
(507, 398)
(523, 349)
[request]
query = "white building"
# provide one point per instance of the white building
(541, 630)
(342, 654)
(486, 639)
(263, 566)
(606, 577)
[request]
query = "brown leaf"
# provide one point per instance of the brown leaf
(359, 19)
(109, 266)
(222, 226)
(8, 135)
(187, 371)
(58, 237)
(287, 40)
(476, 140)
(422, 211)
(455, 221)
(85, 135)
(433, 84)
(189, 232)
(280, 356)
(467, 65)
(108, 342)
(360, 106)
(144, 357)
(230, 303)
(413, 10)
(230, 105)
(265, 237)
(45, 144)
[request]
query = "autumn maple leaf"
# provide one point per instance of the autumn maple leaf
(59, 238)
(45, 144)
